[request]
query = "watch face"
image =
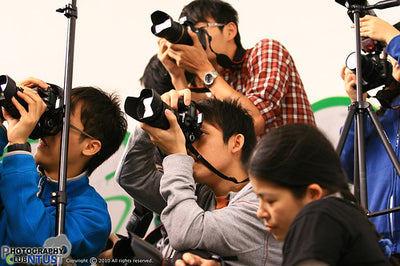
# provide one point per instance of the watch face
(208, 79)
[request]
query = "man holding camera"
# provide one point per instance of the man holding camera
(199, 209)
(383, 182)
(263, 78)
(28, 218)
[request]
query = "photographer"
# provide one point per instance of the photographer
(28, 219)
(264, 78)
(383, 182)
(199, 209)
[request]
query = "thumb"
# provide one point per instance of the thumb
(195, 37)
(171, 118)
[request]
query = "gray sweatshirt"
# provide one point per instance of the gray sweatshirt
(188, 209)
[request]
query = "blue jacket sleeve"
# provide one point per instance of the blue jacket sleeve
(31, 220)
(393, 48)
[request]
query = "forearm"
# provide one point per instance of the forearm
(222, 90)
(137, 173)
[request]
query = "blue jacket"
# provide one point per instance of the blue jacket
(393, 48)
(383, 183)
(28, 219)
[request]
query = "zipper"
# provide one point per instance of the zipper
(391, 196)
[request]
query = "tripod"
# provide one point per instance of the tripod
(357, 110)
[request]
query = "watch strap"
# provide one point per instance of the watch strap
(19, 147)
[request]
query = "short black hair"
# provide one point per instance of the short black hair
(102, 118)
(231, 118)
(155, 76)
(220, 11)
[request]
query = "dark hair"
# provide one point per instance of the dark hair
(231, 118)
(297, 155)
(220, 11)
(102, 118)
(156, 77)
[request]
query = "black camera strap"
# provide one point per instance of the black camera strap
(209, 166)
(224, 60)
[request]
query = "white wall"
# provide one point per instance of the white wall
(113, 44)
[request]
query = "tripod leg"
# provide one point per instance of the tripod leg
(356, 171)
(384, 138)
(346, 128)
(361, 159)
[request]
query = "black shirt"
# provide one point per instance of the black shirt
(334, 231)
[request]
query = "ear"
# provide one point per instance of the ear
(92, 147)
(231, 30)
(314, 192)
(236, 143)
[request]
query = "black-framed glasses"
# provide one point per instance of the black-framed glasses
(82, 132)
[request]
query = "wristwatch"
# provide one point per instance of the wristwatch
(19, 147)
(209, 78)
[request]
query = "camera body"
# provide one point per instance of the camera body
(164, 27)
(150, 109)
(376, 70)
(50, 122)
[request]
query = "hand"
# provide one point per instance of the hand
(171, 98)
(377, 29)
(191, 259)
(108, 254)
(170, 141)
(192, 58)
(20, 129)
(350, 82)
(177, 74)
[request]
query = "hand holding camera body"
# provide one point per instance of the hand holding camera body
(50, 122)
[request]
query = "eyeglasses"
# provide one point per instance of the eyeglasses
(82, 132)
(215, 24)
(211, 24)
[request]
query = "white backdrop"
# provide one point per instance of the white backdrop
(113, 44)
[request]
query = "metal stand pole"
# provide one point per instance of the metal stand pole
(60, 197)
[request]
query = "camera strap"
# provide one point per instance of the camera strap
(224, 60)
(209, 166)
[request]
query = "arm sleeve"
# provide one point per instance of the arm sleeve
(190, 227)
(30, 222)
(269, 72)
(137, 173)
(393, 48)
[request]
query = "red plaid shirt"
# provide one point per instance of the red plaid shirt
(268, 76)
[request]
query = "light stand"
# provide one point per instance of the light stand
(60, 198)
(358, 109)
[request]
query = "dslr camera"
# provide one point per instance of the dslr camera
(50, 122)
(376, 70)
(165, 27)
(150, 109)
